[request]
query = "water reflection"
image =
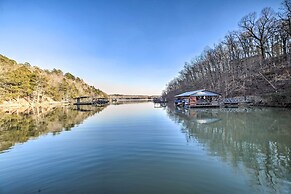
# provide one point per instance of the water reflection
(21, 124)
(256, 140)
(160, 105)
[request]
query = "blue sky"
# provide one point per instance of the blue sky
(119, 46)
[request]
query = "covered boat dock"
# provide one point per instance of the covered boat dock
(90, 100)
(198, 99)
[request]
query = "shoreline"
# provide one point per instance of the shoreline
(276, 100)
(43, 104)
(32, 108)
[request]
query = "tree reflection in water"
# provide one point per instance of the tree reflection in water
(21, 124)
(257, 139)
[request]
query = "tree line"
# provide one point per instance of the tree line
(253, 59)
(23, 81)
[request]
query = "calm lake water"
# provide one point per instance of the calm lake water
(142, 148)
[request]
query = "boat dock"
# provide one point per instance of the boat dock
(90, 100)
(209, 99)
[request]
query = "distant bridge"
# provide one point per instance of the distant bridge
(120, 97)
(87, 100)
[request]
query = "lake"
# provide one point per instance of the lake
(145, 148)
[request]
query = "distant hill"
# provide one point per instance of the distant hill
(34, 85)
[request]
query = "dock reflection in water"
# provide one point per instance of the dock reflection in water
(18, 125)
(256, 139)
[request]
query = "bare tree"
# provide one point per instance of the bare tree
(232, 46)
(285, 16)
(260, 29)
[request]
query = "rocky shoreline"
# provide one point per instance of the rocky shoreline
(17, 103)
(267, 100)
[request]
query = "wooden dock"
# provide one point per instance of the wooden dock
(205, 106)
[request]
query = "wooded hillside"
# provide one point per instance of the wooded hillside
(23, 81)
(253, 60)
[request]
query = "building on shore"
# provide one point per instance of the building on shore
(198, 99)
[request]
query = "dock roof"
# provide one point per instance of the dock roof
(79, 97)
(202, 92)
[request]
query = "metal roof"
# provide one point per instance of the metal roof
(205, 93)
(202, 92)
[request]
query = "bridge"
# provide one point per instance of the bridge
(131, 98)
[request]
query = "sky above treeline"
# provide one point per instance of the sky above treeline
(119, 46)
